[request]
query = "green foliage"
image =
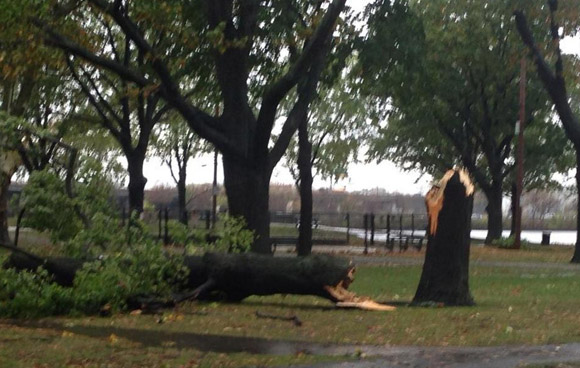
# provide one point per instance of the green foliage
(180, 233)
(234, 237)
(31, 294)
(48, 207)
(104, 232)
(447, 71)
(112, 280)
(140, 270)
(508, 243)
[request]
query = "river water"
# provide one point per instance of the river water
(561, 237)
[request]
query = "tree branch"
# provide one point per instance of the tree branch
(276, 92)
(57, 40)
(553, 83)
(198, 120)
(104, 121)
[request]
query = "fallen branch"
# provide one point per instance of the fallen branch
(294, 319)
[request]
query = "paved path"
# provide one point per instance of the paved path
(463, 357)
(374, 356)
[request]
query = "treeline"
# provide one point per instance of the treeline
(285, 198)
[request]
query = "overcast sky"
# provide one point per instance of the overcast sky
(360, 176)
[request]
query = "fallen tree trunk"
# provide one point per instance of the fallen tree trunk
(62, 269)
(238, 276)
(234, 277)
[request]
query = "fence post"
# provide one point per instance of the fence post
(366, 226)
(160, 226)
(388, 241)
(347, 228)
(412, 225)
(166, 235)
(18, 222)
(400, 231)
(207, 219)
(372, 224)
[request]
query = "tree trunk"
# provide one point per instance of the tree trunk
(248, 192)
(576, 256)
(136, 182)
(494, 214)
(4, 184)
(513, 205)
(181, 198)
(445, 276)
(234, 276)
(238, 276)
(304, 246)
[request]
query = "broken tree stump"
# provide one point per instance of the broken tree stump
(445, 276)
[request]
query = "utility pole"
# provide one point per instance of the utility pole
(520, 157)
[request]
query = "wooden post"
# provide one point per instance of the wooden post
(388, 242)
(18, 223)
(401, 232)
(166, 235)
(366, 226)
(372, 225)
(347, 217)
(445, 276)
(160, 219)
(207, 219)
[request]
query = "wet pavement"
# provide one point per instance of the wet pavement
(355, 356)
(463, 357)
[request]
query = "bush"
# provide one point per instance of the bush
(234, 237)
(48, 208)
(508, 243)
(111, 280)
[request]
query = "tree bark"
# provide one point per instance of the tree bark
(445, 276)
(248, 192)
(233, 276)
(181, 197)
(494, 214)
(238, 276)
(4, 184)
(576, 256)
(513, 205)
(137, 182)
(304, 246)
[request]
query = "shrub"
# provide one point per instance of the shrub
(508, 243)
(234, 237)
(112, 280)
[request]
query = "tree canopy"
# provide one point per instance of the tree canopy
(448, 73)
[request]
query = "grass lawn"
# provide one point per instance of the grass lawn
(514, 306)
(535, 253)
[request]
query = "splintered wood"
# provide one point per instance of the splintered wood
(348, 299)
(434, 198)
